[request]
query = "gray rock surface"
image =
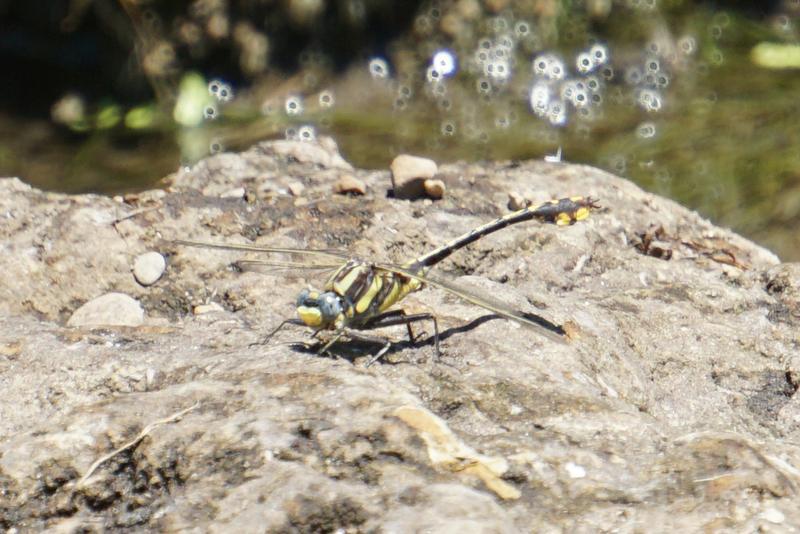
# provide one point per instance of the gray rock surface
(673, 407)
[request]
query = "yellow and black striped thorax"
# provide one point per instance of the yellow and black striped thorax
(367, 290)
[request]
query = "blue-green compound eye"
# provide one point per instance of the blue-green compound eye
(302, 298)
(329, 306)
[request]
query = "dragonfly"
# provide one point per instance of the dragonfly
(359, 294)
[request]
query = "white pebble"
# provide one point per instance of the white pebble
(773, 515)
(575, 470)
(149, 267)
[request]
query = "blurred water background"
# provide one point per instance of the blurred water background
(697, 101)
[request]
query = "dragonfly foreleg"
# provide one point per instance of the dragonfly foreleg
(269, 336)
(336, 336)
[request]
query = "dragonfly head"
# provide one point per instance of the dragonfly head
(319, 310)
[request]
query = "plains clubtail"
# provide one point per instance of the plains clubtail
(359, 293)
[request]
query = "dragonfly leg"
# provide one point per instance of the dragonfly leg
(391, 318)
(269, 336)
(355, 335)
(336, 336)
(396, 317)
(366, 338)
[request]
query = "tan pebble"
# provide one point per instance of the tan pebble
(237, 192)
(202, 309)
(409, 174)
(296, 188)
(516, 201)
(10, 349)
(347, 183)
(435, 188)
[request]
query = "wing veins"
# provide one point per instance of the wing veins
(281, 265)
(483, 301)
(329, 254)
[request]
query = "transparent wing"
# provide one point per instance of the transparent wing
(288, 267)
(323, 259)
(540, 325)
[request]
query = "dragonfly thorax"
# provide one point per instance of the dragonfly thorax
(319, 310)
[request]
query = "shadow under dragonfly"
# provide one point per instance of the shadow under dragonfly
(350, 350)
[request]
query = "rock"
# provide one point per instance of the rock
(409, 174)
(111, 309)
(773, 515)
(434, 188)
(212, 307)
(322, 152)
(516, 201)
(675, 397)
(296, 189)
(349, 184)
(149, 267)
(236, 192)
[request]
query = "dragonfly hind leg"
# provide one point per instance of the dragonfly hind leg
(395, 317)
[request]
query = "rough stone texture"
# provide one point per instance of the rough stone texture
(674, 407)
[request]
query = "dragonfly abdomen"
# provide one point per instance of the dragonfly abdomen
(561, 212)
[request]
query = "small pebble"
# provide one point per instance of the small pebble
(575, 470)
(149, 267)
(152, 378)
(212, 307)
(434, 188)
(236, 192)
(409, 174)
(111, 309)
(773, 515)
(347, 183)
(296, 189)
(516, 201)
